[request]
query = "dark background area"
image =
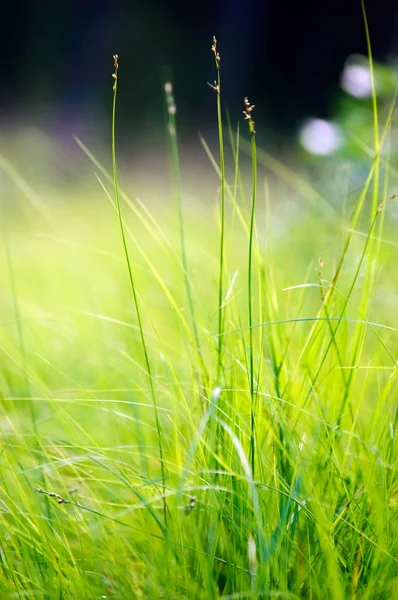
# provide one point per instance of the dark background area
(287, 56)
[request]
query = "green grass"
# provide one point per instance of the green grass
(193, 405)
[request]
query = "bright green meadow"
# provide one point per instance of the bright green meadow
(199, 397)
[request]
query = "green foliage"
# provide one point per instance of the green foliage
(137, 459)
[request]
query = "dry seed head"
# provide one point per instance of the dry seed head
(248, 114)
(214, 86)
(216, 54)
(249, 107)
(116, 66)
(57, 497)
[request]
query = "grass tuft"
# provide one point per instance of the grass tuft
(222, 422)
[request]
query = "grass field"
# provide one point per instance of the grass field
(197, 401)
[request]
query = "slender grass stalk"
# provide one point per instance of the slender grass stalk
(375, 112)
(175, 155)
(217, 89)
(133, 288)
(371, 254)
(248, 116)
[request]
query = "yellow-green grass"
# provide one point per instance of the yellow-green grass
(195, 401)
(316, 518)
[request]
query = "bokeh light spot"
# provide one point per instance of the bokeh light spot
(320, 137)
(356, 80)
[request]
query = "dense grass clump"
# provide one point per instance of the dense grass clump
(193, 404)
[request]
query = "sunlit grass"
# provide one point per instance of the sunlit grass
(193, 404)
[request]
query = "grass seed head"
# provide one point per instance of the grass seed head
(248, 114)
(116, 67)
(215, 52)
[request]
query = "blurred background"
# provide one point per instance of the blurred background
(302, 64)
